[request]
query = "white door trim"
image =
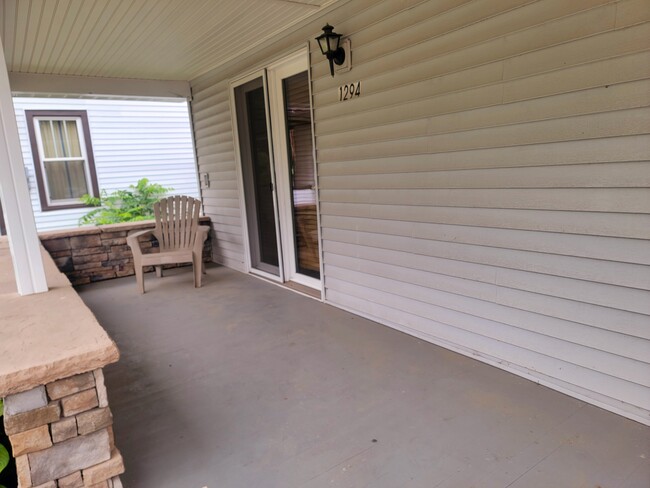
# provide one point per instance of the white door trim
(261, 73)
(295, 63)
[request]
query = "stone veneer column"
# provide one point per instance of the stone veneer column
(62, 436)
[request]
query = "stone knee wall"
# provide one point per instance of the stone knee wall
(89, 254)
(61, 434)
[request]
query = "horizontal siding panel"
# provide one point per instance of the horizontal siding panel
(610, 44)
(630, 12)
(469, 24)
(215, 139)
(603, 99)
(634, 300)
(213, 91)
(214, 122)
(225, 170)
(447, 49)
(228, 220)
(221, 128)
(227, 229)
(634, 200)
(486, 36)
(585, 76)
(602, 150)
(595, 247)
(224, 184)
(223, 255)
(624, 353)
(534, 259)
(476, 345)
(220, 193)
(222, 202)
(214, 111)
(203, 148)
(633, 226)
(216, 210)
(606, 175)
(225, 244)
(619, 123)
(464, 278)
(439, 93)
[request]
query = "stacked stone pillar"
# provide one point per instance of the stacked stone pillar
(61, 434)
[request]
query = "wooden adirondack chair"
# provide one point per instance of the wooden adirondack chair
(179, 235)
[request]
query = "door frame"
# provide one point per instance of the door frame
(295, 63)
(249, 75)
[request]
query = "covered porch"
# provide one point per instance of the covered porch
(244, 383)
(486, 191)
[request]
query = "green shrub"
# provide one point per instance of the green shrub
(131, 205)
(4, 453)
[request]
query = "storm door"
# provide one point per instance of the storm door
(278, 172)
(257, 176)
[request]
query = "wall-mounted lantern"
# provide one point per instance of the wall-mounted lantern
(329, 43)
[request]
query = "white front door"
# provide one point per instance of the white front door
(279, 183)
(293, 143)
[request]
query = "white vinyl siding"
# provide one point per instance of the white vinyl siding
(488, 191)
(131, 139)
(216, 156)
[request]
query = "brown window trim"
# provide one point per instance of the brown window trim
(82, 114)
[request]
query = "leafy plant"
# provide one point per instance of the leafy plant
(4, 453)
(131, 205)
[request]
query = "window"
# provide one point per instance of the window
(63, 157)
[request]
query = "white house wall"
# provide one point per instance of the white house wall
(489, 189)
(131, 139)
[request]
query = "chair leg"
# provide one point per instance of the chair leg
(197, 269)
(139, 278)
(159, 271)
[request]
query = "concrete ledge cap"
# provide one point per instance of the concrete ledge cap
(89, 230)
(46, 336)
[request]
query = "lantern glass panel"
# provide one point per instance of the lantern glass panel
(323, 43)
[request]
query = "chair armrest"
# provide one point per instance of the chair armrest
(132, 240)
(202, 232)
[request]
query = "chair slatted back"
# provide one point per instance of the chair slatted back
(177, 219)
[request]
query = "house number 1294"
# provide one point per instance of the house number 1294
(349, 91)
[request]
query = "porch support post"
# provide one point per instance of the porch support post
(19, 217)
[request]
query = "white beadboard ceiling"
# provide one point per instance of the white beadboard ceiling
(148, 39)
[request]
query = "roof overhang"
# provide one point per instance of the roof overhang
(75, 47)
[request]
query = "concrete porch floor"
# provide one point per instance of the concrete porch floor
(244, 384)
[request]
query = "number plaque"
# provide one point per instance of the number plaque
(349, 91)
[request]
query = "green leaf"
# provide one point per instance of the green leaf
(133, 204)
(4, 457)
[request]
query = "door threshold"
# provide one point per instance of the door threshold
(293, 286)
(300, 288)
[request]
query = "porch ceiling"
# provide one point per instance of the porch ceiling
(148, 39)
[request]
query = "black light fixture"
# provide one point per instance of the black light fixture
(329, 42)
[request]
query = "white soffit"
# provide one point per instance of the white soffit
(145, 39)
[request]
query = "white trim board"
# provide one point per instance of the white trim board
(29, 83)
